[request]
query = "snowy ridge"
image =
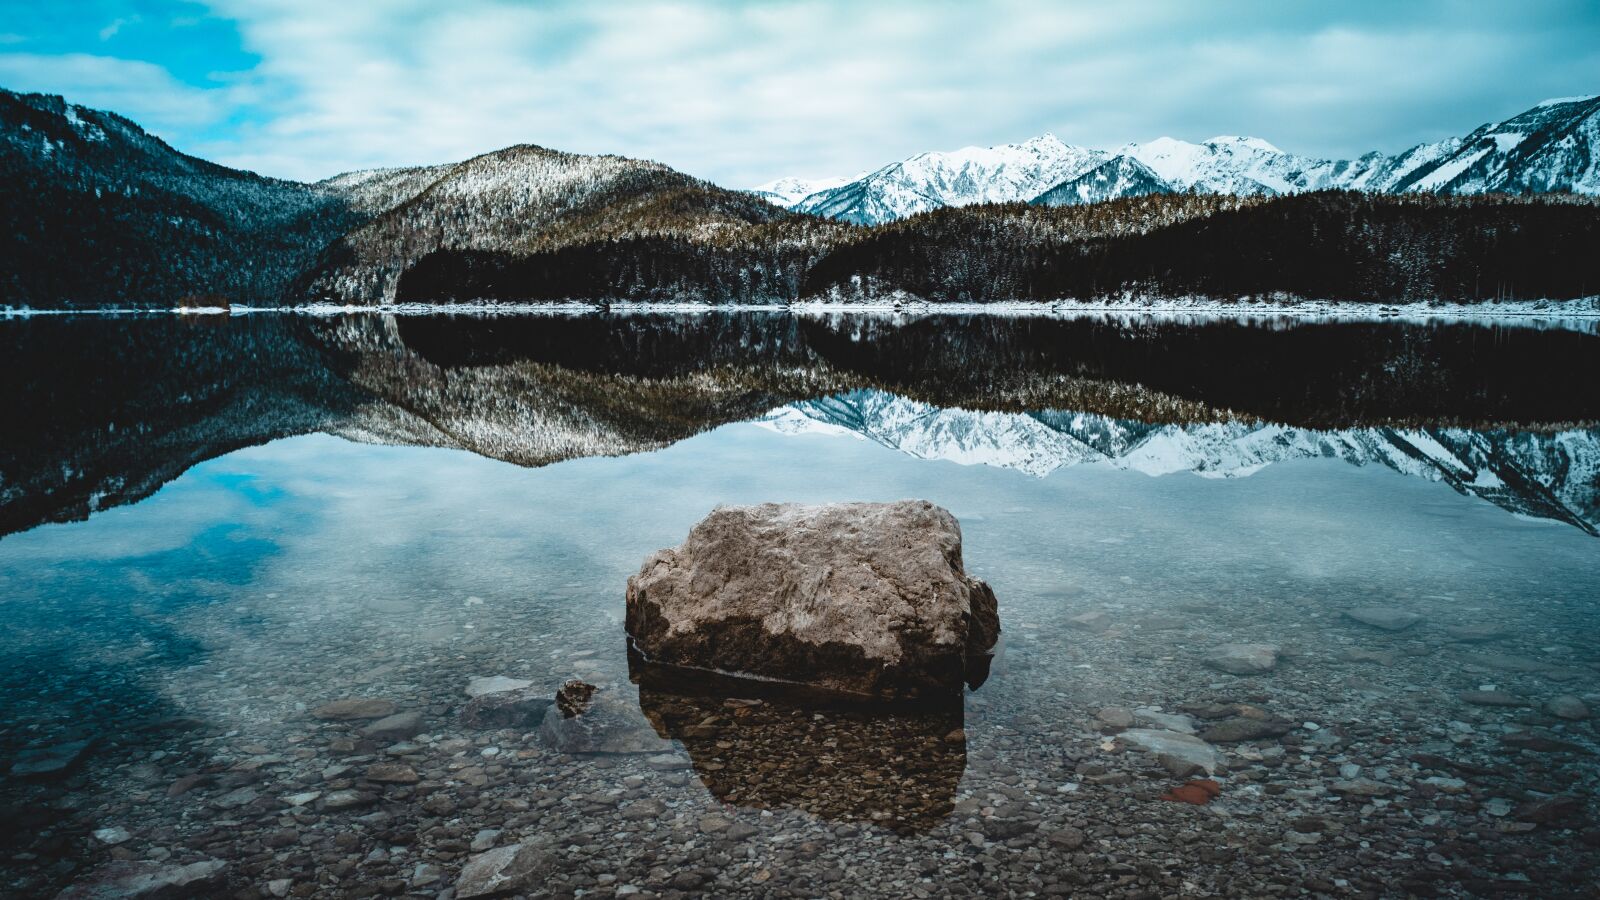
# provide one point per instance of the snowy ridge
(1540, 475)
(1551, 147)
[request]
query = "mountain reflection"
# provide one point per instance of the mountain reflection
(104, 411)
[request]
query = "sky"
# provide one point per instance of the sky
(741, 93)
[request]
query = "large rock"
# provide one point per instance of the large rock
(861, 598)
(587, 718)
(1388, 618)
(49, 761)
(149, 880)
(505, 709)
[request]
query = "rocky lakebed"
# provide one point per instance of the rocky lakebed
(1231, 744)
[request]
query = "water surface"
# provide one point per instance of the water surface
(216, 527)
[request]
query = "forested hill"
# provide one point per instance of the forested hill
(1325, 245)
(94, 211)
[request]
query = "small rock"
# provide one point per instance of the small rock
(1115, 717)
(1539, 743)
(1568, 707)
(494, 684)
(393, 773)
(1181, 747)
(113, 835)
(348, 799)
(1491, 698)
(521, 709)
(1361, 787)
(354, 708)
(1550, 811)
(49, 762)
(279, 887)
(588, 718)
(1388, 618)
(504, 870)
(485, 839)
(1150, 718)
(1094, 621)
(146, 879)
(1198, 792)
(1241, 728)
(1243, 659)
(713, 824)
(640, 810)
(397, 727)
(1471, 634)
(1067, 838)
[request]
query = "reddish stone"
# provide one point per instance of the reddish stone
(1199, 792)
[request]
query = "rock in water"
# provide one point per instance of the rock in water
(586, 718)
(505, 709)
(1185, 748)
(862, 598)
(504, 870)
(126, 879)
(1243, 659)
(1387, 618)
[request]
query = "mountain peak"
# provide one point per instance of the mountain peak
(1253, 143)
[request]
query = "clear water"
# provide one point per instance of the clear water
(191, 631)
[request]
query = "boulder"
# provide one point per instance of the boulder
(1567, 706)
(587, 718)
(1243, 659)
(860, 598)
(130, 879)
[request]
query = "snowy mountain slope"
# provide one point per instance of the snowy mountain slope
(1551, 476)
(518, 200)
(1001, 174)
(790, 191)
(1551, 147)
(1122, 176)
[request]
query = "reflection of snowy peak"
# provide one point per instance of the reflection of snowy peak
(1555, 476)
(1551, 147)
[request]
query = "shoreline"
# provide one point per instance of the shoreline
(1580, 314)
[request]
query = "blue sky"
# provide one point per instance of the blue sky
(744, 92)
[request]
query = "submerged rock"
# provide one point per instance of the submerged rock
(1183, 748)
(495, 684)
(353, 709)
(587, 718)
(862, 598)
(505, 709)
(1243, 659)
(397, 727)
(47, 762)
(504, 870)
(144, 879)
(1567, 706)
(1387, 618)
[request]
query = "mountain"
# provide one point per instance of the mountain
(1121, 176)
(1550, 148)
(1548, 476)
(790, 191)
(521, 200)
(927, 181)
(98, 211)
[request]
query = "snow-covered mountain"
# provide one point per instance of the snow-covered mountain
(971, 175)
(1552, 147)
(1552, 476)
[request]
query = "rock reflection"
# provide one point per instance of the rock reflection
(896, 768)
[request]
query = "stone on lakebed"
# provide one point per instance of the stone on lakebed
(866, 599)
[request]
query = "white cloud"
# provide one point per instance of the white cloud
(142, 91)
(741, 93)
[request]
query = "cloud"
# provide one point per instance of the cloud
(111, 29)
(142, 91)
(742, 93)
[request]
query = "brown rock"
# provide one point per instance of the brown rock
(863, 598)
(393, 773)
(397, 727)
(1198, 792)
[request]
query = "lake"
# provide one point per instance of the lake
(213, 526)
